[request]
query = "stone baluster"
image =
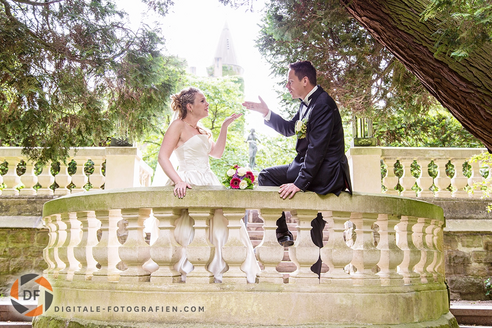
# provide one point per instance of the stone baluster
(200, 251)
(135, 251)
(475, 177)
(61, 237)
(442, 181)
(438, 242)
(83, 251)
(411, 255)
(366, 255)
(425, 181)
(432, 254)
(11, 179)
(234, 251)
(63, 179)
(164, 251)
(106, 251)
(29, 180)
(97, 178)
(391, 255)
(407, 181)
(390, 180)
(459, 181)
(269, 252)
(79, 178)
(419, 240)
(304, 253)
(48, 250)
(335, 253)
(65, 252)
(45, 179)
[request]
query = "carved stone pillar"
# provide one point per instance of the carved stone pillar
(200, 251)
(79, 178)
(65, 252)
(234, 251)
(366, 255)
(390, 180)
(459, 181)
(419, 237)
(442, 180)
(97, 178)
(411, 255)
(135, 251)
(106, 251)
(29, 180)
(304, 253)
(391, 255)
(269, 252)
(164, 250)
(11, 179)
(45, 179)
(83, 252)
(63, 179)
(48, 250)
(335, 253)
(407, 181)
(61, 236)
(425, 181)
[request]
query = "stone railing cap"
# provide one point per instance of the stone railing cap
(260, 198)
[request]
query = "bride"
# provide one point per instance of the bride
(192, 144)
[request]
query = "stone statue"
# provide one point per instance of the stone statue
(251, 140)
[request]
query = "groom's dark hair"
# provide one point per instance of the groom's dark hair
(304, 68)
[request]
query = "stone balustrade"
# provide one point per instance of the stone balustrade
(113, 167)
(413, 177)
(384, 254)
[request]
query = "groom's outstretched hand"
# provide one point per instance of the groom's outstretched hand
(288, 190)
(260, 107)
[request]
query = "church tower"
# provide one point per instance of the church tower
(225, 61)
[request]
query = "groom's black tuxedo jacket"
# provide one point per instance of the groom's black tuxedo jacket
(320, 165)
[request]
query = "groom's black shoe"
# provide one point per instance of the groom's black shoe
(285, 239)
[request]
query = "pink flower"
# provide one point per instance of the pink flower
(235, 183)
(250, 176)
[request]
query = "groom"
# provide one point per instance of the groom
(320, 165)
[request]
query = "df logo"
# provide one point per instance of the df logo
(26, 289)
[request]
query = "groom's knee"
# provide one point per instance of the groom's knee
(262, 178)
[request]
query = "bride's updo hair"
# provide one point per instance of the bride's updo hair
(180, 101)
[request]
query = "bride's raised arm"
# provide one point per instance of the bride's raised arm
(169, 143)
(219, 146)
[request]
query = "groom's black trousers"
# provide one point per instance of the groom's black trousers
(277, 176)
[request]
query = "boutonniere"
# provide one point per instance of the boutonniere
(301, 128)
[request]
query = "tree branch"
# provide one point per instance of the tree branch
(32, 3)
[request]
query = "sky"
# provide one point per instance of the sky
(192, 30)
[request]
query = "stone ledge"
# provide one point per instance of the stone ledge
(472, 313)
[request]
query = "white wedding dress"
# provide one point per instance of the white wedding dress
(193, 167)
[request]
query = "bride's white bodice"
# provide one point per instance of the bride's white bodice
(193, 164)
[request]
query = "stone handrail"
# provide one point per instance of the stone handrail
(384, 254)
(124, 168)
(365, 165)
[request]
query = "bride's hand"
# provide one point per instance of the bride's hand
(230, 119)
(180, 189)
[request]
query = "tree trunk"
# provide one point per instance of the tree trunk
(463, 87)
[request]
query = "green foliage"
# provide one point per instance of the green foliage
(465, 25)
(353, 67)
(436, 129)
(488, 286)
(73, 74)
